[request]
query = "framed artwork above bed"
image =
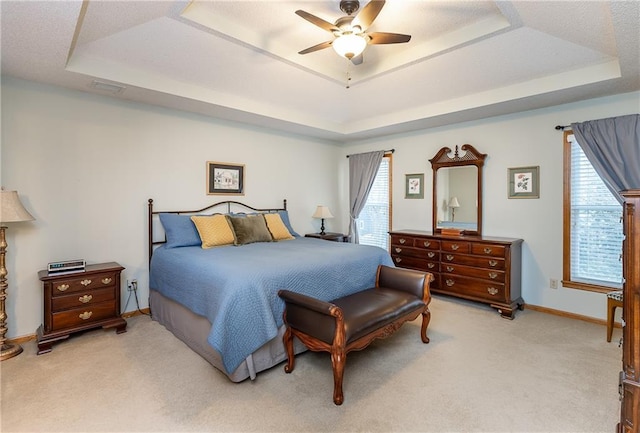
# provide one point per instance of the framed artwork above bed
(225, 178)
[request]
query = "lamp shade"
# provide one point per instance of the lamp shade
(349, 45)
(454, 202)
(11, 209)
(322, 212)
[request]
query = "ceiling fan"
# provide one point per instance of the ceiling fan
(350, 32)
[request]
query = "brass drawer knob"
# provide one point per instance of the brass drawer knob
(402, 241)
(427, 243)
(398, 259)
(493, 263)
(431, 255)
(450, 282)
(487, 250)
(449, 257)
(492, 290)
(63, 287)
(493, 275)
(85, 282)
(398, 250)
(85, 315)
(106, 280)
(86, 298)
(455, 247)
(449, 268)
(431, 265)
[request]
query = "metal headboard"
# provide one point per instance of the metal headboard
(224, 206)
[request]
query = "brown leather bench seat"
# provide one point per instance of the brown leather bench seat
(354, 321)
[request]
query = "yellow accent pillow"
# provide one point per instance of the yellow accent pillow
(276, 227)
(214, 230)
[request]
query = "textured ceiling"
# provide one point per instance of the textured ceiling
(239, 60)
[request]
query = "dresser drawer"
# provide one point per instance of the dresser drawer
(82, 283)
(485, 274)
(456, 246)
(474, 288)
(475, 261)
(430, 244)
(84, 315)
(415, 263)
(415, 252)
(80, 299)
(492, 250)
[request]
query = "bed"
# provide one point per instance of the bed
(221, 299)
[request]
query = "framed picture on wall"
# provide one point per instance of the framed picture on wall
(414, 185)
(225, 178)
(524, 182)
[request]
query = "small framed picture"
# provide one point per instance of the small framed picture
(524, 182)
(414, 185)
(225, 178)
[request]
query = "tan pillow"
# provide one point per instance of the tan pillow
(214, 230)
(276, 227)
(249, 229)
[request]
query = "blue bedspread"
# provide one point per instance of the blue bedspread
(236, 287)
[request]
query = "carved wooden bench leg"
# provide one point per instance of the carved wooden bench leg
(426, 318)
(287, 339)
(338, 361)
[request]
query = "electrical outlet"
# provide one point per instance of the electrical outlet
(553, 283)
(132, 285)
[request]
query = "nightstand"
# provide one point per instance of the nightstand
(335, 237)
(79, 301)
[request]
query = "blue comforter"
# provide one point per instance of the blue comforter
(236, 287)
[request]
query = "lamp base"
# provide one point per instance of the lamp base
(9, 351)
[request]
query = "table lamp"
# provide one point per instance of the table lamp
(453, 204)
(11, 211)
(322, 212)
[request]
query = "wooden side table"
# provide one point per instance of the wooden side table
(79, 301)
(335, 237)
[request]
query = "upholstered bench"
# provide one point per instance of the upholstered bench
(354, 321)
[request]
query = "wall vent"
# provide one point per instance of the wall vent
(107, 87)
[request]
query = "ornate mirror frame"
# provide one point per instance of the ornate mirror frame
(445, 158)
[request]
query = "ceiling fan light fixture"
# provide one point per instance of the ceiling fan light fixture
(349, 45)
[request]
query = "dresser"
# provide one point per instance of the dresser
(479, 268)
(78, 302)
(630, 374)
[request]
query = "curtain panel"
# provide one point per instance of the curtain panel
(363, 168)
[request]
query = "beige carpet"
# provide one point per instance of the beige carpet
(480, 373)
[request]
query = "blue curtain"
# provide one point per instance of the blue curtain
(612, 146)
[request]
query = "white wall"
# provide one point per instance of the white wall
(85, 166)
(517, 140)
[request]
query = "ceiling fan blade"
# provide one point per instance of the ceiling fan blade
(368, 14)
(388, 38)
(325, 25)
(357, 60)
(316, 47)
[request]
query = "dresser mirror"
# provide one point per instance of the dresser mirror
(457, 190)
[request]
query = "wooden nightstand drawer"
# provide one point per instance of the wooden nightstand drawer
(83, 316)
(82, 283)
(77, 300)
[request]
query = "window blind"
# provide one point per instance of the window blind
(373, 223)
(596, 227)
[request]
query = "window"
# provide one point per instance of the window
(592, 225)
(374, 222)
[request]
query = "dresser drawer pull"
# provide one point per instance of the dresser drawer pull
(398, 259)
(450, 268)
(63, 287)
(398, 250)
(450, 282)
(86, 298)
(427, 243)
(106, 280)
(449, 257)
(430, 265)
(85, 315)
(402, 241)
(492, 290)
(431, 255)
(85, 282)
(493, 263)
(487, 250)
(493, 275)
(455, 247)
